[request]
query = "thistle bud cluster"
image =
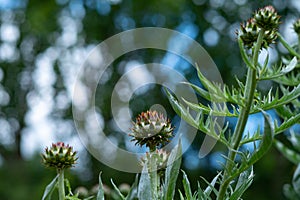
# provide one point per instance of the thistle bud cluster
(160, 157)
(59, 156)
(151, 129)
(265, 19)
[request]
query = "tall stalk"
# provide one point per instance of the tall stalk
(61, 185)
(251, 83)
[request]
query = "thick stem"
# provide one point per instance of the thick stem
(61, 184)
(242, 120)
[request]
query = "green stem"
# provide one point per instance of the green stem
(61, 185)
(288, 47)
(298, 44)
(242, 120)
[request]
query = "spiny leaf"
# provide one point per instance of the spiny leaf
(218, 92)
(198, 121)
(291, 79)
(287, 124)
(275, 72)
(269, 102)
(284, 112)
(218, 109)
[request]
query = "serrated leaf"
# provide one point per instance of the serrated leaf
(270, 102)
(180, 110)
(287, 124)
(284, 112)
(219, 109)
(172, 170)
(49, 189)
(203, 93)
(198, 122)
(275, 73)
(100, 193)
(291, 79)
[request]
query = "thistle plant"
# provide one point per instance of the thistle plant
(154, 130)
(258, 33)
(160, 169)
(60, 157)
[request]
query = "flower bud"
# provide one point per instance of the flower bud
(151, 129)
(59, 156)
(249, 33)
(161, 160)
(267, 18)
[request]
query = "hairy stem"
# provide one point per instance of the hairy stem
(61, 185)
(242, 120)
